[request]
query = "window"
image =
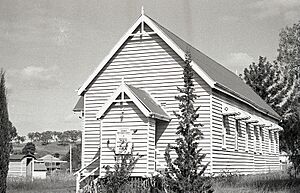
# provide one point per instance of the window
(248, 137)
(237, 132)
(256, 139)
(226, 124)
(270, 141)
(238, 128)
(225, 131)
(275, 142)
(261, 134)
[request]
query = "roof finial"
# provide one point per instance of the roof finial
(123, 79)
(142, 10)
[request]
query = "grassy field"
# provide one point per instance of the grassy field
(62, 183)
(278, 182)
(265, 183)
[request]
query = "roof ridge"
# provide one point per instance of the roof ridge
(210, 66)
(189, 44)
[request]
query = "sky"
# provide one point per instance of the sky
(48, 48)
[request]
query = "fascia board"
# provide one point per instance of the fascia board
(109, 56)
(122, 88)
(181, 53)
(108, 103)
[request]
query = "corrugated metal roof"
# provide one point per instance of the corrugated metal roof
(220, 74)
(147, 100)
(19, 157)
(79, 105)
(50, 158)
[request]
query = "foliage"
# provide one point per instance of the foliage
(19, 139)
(46, 136)
(291, 138)
(184, 174)
(115, 180)
(279, 85)
(56, 183)
(271, 82)
(76, 157)
(289, 46)
(289, 56)
(277, 182)
(73, 135)
(12, 135)
(29, 148)
(62, 137)
(5, 128)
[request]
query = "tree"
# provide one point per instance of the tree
(271, 83)
(19, 139)
(76, 157)
(12, 135)
(37, 136)
(29, 148)
(289, 46)
(31, 136)
(278, 84)
(185, 172)
(46, 136)
(5, 127)
(73, 135)
(289, 56)
(63, 138)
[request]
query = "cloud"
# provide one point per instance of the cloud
(287, 9)
(237, 62)
(35, 77)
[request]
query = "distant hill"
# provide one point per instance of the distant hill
(42, 150)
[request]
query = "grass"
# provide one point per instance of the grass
(61, 183)
(278, 182)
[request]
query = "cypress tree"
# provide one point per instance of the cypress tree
(185, 172)
(4, 136)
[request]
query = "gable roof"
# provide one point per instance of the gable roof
(19, 157)
(221, 75)
(215, 75)
(79, 105)
(140, 98)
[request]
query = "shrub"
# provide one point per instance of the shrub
(184, 173)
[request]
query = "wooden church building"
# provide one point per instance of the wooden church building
(133, 90)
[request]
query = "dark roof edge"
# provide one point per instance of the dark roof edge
(243, 99)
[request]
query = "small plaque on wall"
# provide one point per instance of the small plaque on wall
(123, 141)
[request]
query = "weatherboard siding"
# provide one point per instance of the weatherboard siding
(132, 119)
(148, 63)
(230, 158)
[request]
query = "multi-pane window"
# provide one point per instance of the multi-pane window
(238, 128)
(237, 132)
(275, 142)
(256, 139)
(248, 136)
(270, 141)
(261, 134)
(226, 130)
(226, 124)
